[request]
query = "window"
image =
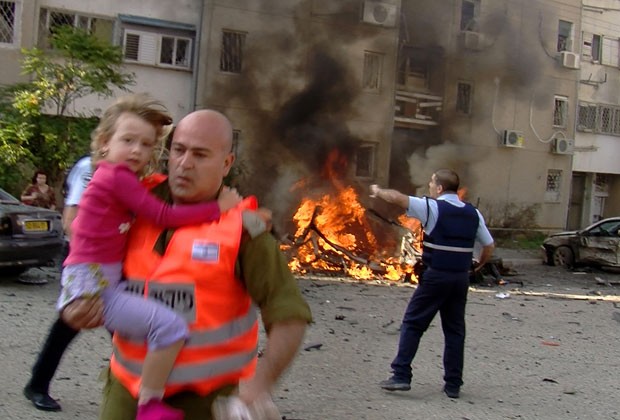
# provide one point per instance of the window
(591, 48)
(236, 142)
(565, 36)
(469, 13)
(175, 51)
(609, 52)
(560, 111)
(412, 68)
(50, 19)
(605, 117)
(554, 183)
(157, 49)
(463, 97)
(7, 22)
(231, 56)
(364, 161)
(599, 118)
(373, 64)
(586, 117)
(140, 46)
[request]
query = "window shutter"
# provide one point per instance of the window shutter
(586, 45)
(141, 47)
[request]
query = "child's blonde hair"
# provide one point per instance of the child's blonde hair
(145, 107)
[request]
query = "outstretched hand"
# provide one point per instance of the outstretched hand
(374, 190)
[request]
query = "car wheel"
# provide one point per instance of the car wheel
(563, 257)
(12, 271)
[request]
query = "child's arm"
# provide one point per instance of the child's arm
(141, 202)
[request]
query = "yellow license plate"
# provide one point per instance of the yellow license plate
(36, 226)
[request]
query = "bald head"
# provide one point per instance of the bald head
(219, 126)
(200, 156)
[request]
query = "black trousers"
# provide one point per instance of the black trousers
(58, 339)
(446, 293)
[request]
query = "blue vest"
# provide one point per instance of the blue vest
(450, 246)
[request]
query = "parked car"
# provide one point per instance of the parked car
(597, 245)
(29, 236)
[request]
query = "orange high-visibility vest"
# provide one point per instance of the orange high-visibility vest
(196, 278)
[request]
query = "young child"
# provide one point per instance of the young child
(123, 145)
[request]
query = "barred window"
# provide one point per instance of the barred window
(50, 19)
(615, 125)
(560, 111)
(599, 118)
(463, 97)
(605, 119)
(373, 63)
(7, 22)
(586, 118)
(231, 56)
(554, 184)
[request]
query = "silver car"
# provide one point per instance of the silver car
(29, 236)
(597, 245)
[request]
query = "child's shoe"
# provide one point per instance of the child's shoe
(157, 410)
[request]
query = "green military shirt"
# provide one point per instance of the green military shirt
(264, 270)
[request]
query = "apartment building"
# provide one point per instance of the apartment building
(308, 84)
(486, 88)
(596, 162)
(520, 97)
(299, 79)
(158, 41)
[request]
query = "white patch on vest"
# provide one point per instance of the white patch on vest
(206, 251)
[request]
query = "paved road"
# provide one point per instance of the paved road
(511, 371)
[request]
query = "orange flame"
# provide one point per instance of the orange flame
(342, 221)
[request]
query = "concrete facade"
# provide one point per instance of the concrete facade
(173, 85)
(507, 55)
(379, 91)
(299, 93)
(596, 164)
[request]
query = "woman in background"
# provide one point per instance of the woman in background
(38, 193)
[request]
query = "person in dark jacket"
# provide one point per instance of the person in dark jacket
(451, 228)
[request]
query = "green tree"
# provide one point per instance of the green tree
(35, 130)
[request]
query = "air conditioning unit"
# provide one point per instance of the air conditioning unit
(473, 40)
(570, 60)
(379, 13)
(563, 146)
(512, 138)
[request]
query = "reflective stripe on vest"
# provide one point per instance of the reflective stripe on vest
(204, 337)
(196, 371)
(447, 248)
(196, 278)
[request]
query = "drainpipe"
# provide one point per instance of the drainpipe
(196, 64)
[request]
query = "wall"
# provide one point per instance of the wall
(299, 97)
(173, 87)
(515, 74)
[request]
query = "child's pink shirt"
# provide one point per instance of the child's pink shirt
(112, 199)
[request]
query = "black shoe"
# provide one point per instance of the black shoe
(41, 400)
(452, 391)
(394, 384)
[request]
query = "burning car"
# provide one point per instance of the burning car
(29, 236)
(598, 245)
